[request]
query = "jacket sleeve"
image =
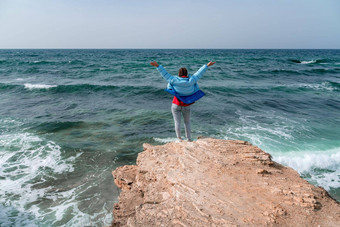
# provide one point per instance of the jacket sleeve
(167, 76)
(197, 75)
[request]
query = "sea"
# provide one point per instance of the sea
(69, 117)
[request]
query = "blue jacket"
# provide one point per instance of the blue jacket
(183, 86)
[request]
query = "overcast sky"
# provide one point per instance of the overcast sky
(170, 24)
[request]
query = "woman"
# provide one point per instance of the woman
(184, 85)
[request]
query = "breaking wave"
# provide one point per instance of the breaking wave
(319, 167)
(38, 86)
(27, 161)
(319, 61)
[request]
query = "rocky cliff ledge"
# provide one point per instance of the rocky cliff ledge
(213, 182)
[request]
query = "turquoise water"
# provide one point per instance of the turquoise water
(70, 117)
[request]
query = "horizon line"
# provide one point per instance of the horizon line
(169, 48)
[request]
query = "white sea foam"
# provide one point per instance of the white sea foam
(24, 158)
(267, 135)
(308, 62)
(80, 218)
(38, 86)
(322, 166)
(165, 140)
(277, 135)
(322, 86)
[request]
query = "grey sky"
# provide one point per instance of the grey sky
(169, 24)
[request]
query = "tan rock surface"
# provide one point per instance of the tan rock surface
(213, 182)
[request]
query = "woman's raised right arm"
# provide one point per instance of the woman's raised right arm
(211, 63)
(167, 76)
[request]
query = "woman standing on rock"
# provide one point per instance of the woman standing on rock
(185, 91)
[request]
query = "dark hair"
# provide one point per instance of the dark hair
(182, 72)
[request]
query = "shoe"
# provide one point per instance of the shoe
(179, 140)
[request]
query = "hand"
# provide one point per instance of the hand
(154, 63)
(211, 63)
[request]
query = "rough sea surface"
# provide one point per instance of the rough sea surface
(70, 117)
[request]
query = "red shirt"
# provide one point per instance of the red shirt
(179, 102)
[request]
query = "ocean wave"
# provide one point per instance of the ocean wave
(76, 62)
(131, 90)
(38, 86)
(325, 70)
(329, 85)
(89, 87)
(22, 218)
(310, 61)
(42, 62)
(7, 86)
(333, 84)
(258, 58)
(282, 71)
(55, 126)
(3, 61)
(277, 135)
(269, 134)
(27, 161)
(299, 72)
(326, 86)
(123, 90)
(320, 167)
